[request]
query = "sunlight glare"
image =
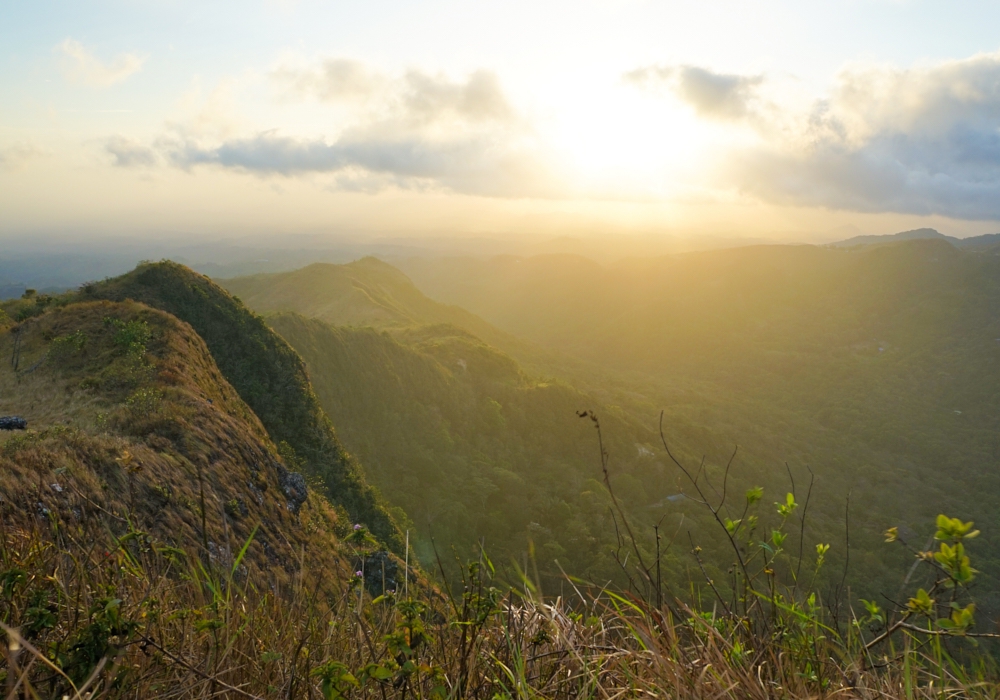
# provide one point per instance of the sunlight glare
(621, 140)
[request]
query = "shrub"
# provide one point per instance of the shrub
(143, 403)
(66, 345)
(132, 336)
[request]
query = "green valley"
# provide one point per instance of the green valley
(804, 390)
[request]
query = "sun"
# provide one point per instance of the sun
(626, 141)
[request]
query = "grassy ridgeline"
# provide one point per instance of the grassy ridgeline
(268, 375)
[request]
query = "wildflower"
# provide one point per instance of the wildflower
(357, 527)
(358, 574)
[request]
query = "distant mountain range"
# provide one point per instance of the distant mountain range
(972, 243)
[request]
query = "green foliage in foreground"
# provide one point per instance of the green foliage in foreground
(269, 376)
(142, 619)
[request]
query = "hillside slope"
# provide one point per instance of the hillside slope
(872, 370)
(879, 367)
(477, 452)
(367, 292)
(268, 375)
(132, 425)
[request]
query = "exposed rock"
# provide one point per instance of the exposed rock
(12, 423)
(257, 493)
(293, 485)
(220, 554)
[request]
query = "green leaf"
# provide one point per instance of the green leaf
(954, 529)
(243, 550)
(921, 603)
(785, 509)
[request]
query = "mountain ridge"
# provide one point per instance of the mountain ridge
(267, 373)
(971, 243)
(129, 418)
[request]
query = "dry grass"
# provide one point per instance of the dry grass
(169, 465)
(170, 624)
(42, 397)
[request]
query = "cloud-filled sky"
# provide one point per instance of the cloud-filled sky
(773, 119)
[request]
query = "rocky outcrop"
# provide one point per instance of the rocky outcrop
(293, 485)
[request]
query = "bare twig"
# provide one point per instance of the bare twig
(181, 662)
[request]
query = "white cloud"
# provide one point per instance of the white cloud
(331, 80)
(130, 153)
(923, 140)
(479, 99)
(713, 95)
(415, 97)
(81, 66)
(411, 131)
(16, 155)
(918, 141)
(471, 165)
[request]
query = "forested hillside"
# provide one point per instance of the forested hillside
(882, 362)
(367, 292)
(801, 386)
(475, 451)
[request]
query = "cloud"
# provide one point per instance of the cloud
(917, 141)
(415, 131)
(714, 95)
(16, 155)
(415, 97)
(470, 165)
(129, 153)
(81, 66)
(334, 79)
(478, 99)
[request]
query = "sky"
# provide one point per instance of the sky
(769, 119)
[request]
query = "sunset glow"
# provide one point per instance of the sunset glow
(564, 113)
